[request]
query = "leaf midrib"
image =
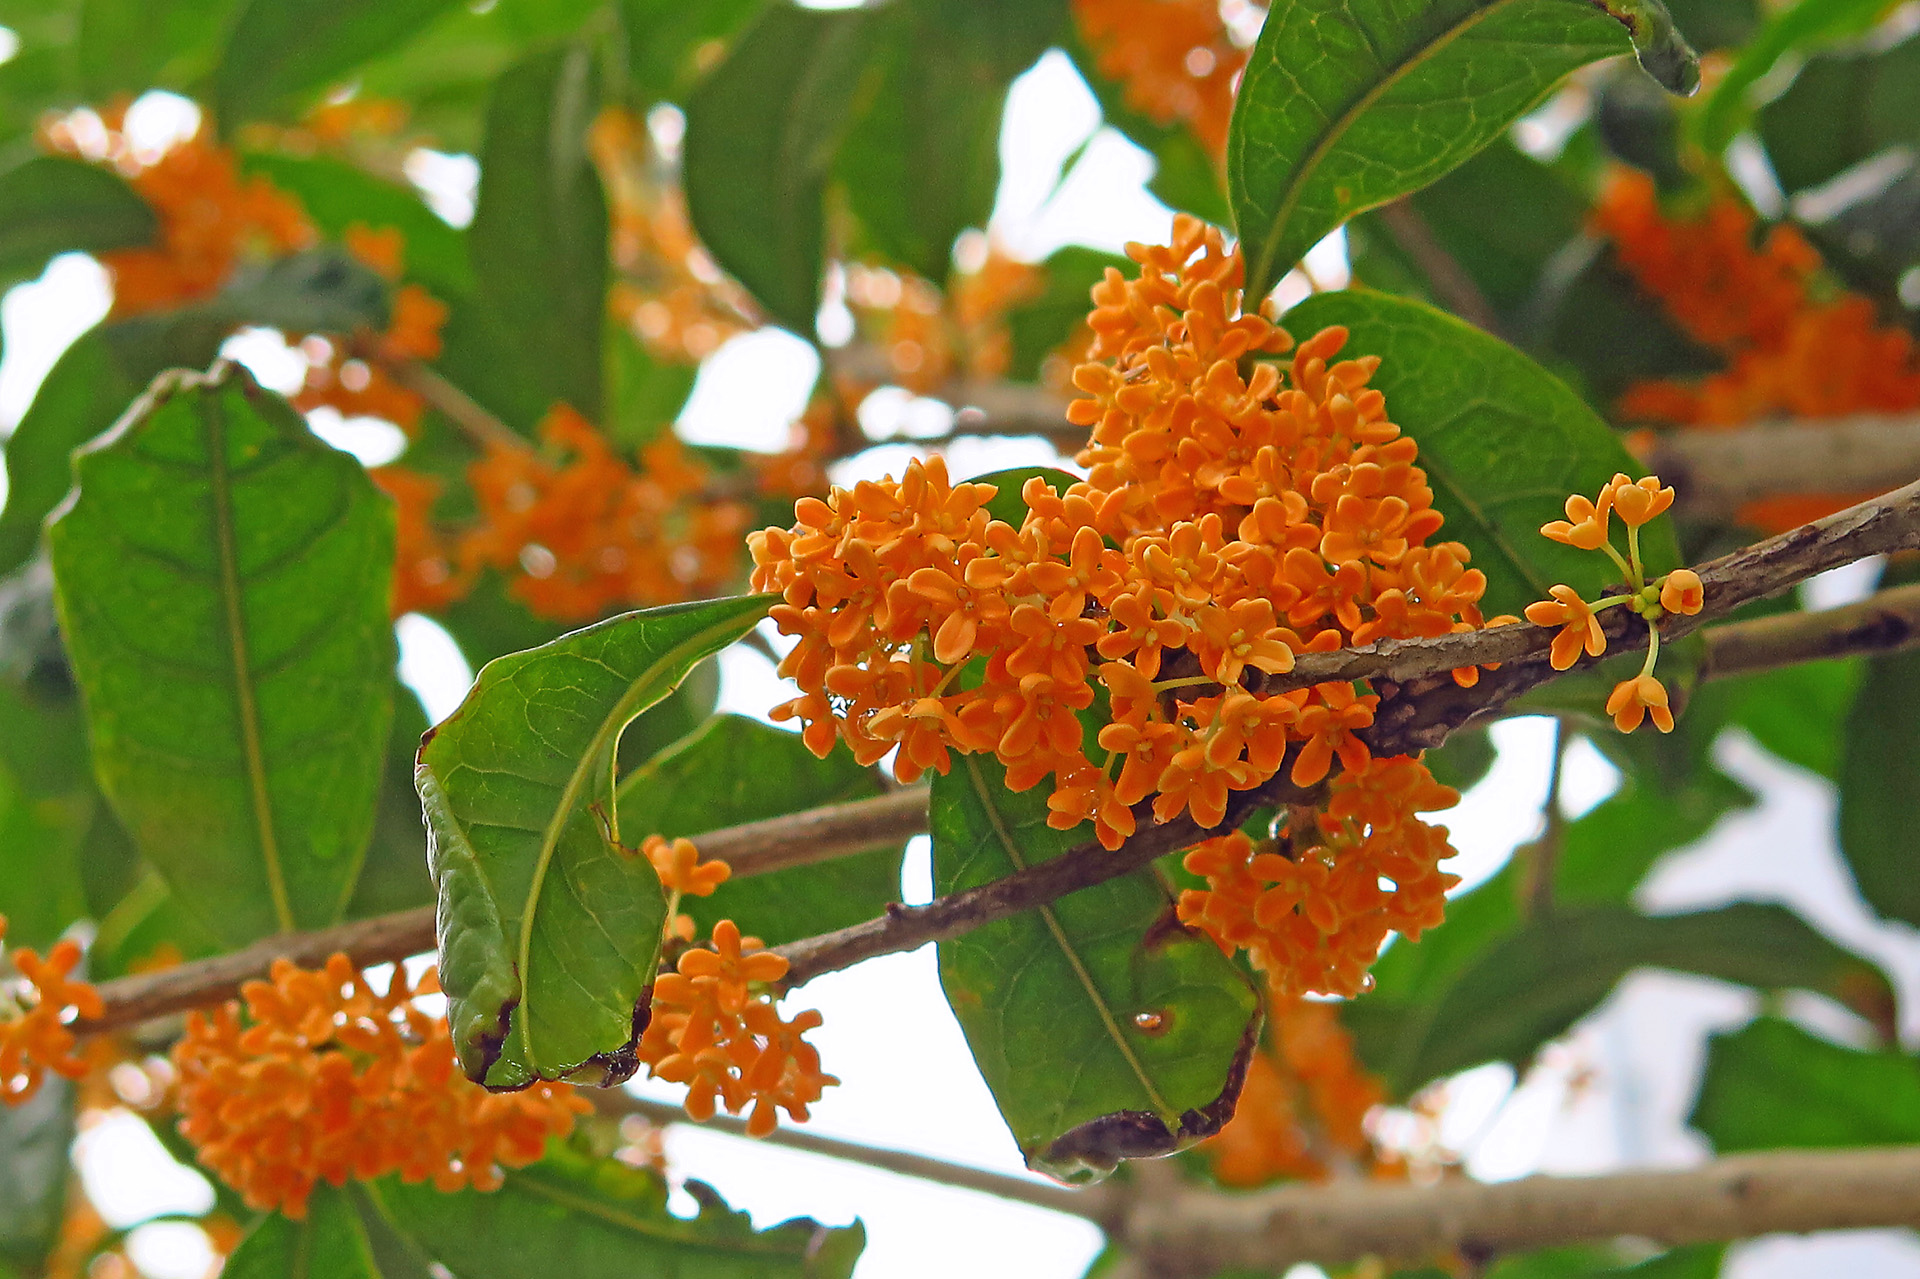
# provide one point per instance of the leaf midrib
(227, 555)
(1343, 123)
(597, 754)
(1012, 850)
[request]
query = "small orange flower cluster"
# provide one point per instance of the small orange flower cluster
(931, 338)
(1303, 1110)
(35, 1011)
(670, 292)
(711, 1031)
(682, 873)
(334, 1080)
(1788, 354)
(1176, 58)
(1238, 511)
(211, 219)
(591, 532)
(1312, 907)
(363, 387)
(1681, 591)
(426, 576)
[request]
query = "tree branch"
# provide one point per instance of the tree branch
(1888, 622)
(1716, 472)
(1198, 1232)
(1450, 281)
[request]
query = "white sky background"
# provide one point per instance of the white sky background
(1614, 1094)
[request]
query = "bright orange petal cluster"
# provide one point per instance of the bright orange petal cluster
(331, 1080)
(211, 219)
(1312, 907)
(713, 1032)
(1305, 1100)
(1231, 520)
(1175, 58)
(35, 1010)
(359, 387)
(579, 531)
(425, 576)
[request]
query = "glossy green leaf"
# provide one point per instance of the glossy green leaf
(128, 48)
(35, 1136)
(1532, 984)
(1798, 28)
(1104, 1030)
(599, 1219)
(737, 770)
(539, 234)
(762, 130)
(922, 163)
(281, 52)
(52, 204)
(328, 1243)
(1771, 1084)
(1880, 785)
(1347, 104)
(1503, 441)
(337, 195)
(549, 932)
(222, 582)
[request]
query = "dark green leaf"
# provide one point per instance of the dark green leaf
(549, 932)
(338, 195)
(323, 290)
(1880, 786)
(539, 235)
(1771, 1084)
(1465, 758)
(598, 1219)
(1533, 984)
(1347, 104)
(34, 1173)
(644, 394)
(1104, 1029)
(1039, 326)
(222, 582)
(327, 1244)
(1800, 712)
(1503, 441)
(1608, 850)
(1841, 109)
(922, 164)
(394, 874)
(128, 48)
(737, 770)
(284, 51)
(52, 204)
(762, 130)
(664, 38)
(1798, 28)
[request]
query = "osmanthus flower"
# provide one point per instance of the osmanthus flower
(1579, 628)
(1247, 501)
(36, 1009)
(714, 1028)
(328, 1079)
(1176, 59)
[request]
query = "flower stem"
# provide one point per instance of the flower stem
(1653, 648)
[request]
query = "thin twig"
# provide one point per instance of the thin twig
(482, 427)
(1542, 855)
(1888, 622)
(1079, 1203)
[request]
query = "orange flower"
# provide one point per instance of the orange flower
(680, 869)
(331, 1079)
(34, 1012)
(711, 1031)
(1579, 628)
(1637, 501)
(1682, 592)
(424, 577)
(1634, 699)
(1586, 524)
(1175, 58)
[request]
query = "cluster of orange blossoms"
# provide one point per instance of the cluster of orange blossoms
(930, 338)
(1681, 591)
(334, 1080)
(1789, 351)
(1175, 59)
(358, 386)
(211, 219)
(1237, 512)
(1302, 1112)
(35, 1012)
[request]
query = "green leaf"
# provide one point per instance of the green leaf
(1503, 441)
(35, 1136)
(283, 51)
(1772, 1084)
(1347, 104)
(222, 582)
(539, 234)
(598, 1219)
(51, 204)
(128, 48)
(1104, 1029)
(1530, 986)
(338, 195)
(394, 874)
(1464, 759)
(922, 164)
(1587, 1261)
(328, 1243)
(644, 394)
(737, 770)
(1007, 505)
(321, 290)
(1041, 325)
(1799, 713)
(665, 37)
(549, 932)
(1879, 785)
(1841, 109)
(1799, 28)
(762, 130)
